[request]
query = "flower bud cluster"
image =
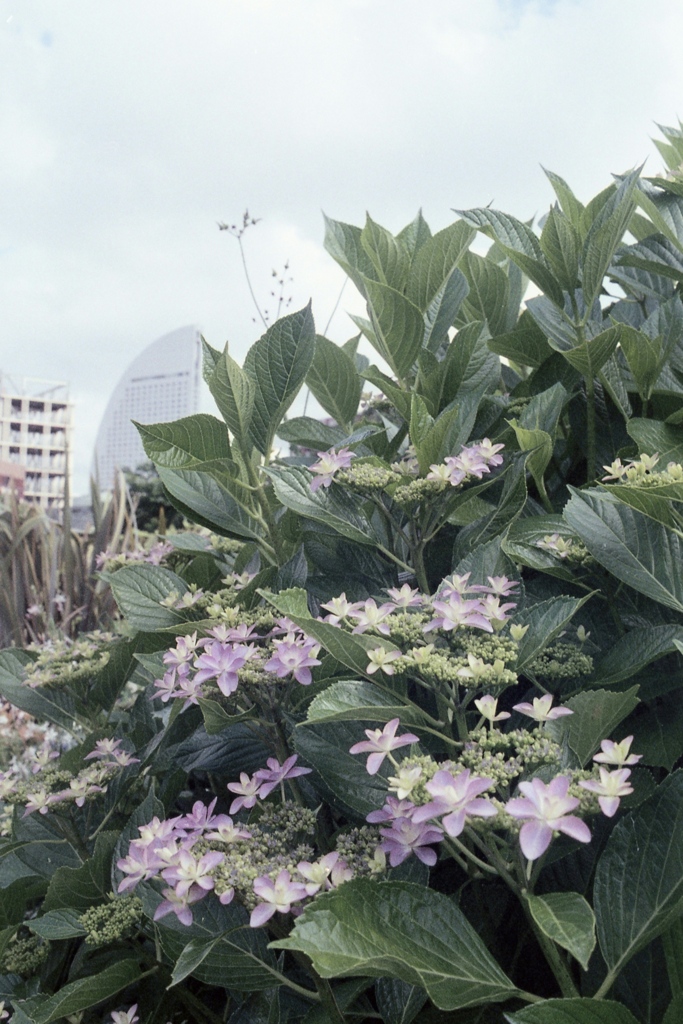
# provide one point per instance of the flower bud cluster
(64, 662)
(366, 476)
(111, 921)
(24, 955)
(561, 661)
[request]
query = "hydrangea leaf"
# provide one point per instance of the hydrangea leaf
(399, 930)
(567, 919)
(572, 1011)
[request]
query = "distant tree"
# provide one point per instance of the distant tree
(153, 511)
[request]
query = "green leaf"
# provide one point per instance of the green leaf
(41, 845)
(567, 919)
(638, 891)
(388, 255)
(605, 234)
(82, 994)
(526, 345)
(310, 433)
(634, 651)
(234, 392)
(185, 442)
(193, 954)
(356, 701)
(325, 746)
(572, 1011)
(656, 438)
(636, 550)
(415, 234)
(277, 364)
(660, 731)
(590, 357)
(436, 261)
(644, 356)
(398, 326)
(655, 254)
(522, 539)
(399, 930)
(400, 398)
(138, 591)
(487, 299)
(440, 315)
(343, 242)
(469, 368)
(398, 1001)
(571, 206)
(674, 1013)
(57, 924)
(518, 242)
(545, 620)
(510, 505)
(210, 357)
(51, 704)
(333, 380)
(597, 713)
(561, 244)
(213, 498)
(335, 507)
(239, 958)
(86, 886)
(216, 719)
(672, 940)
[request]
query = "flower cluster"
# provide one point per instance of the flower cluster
(472, 462)
(429, 801)
(229, 655)
(268, 863)
(641, 472)
(329, 463)
(154, 555)
(24, 954)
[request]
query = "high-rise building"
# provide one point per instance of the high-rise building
(35, 437)
(161, 384)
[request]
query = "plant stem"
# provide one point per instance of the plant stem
(590, 428)
(420, 567)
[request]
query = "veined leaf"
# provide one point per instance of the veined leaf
(355, 701)
(185, 442)
(561, 243)
(596, 713)
(277, 364)
(589, 357)
(640, 552)
(656, 438)
(398, 325)
(336, 508)
(487, 299)
(435, 262)
(82, 994)
(654, 254)
(545, 621)
(605, 234)
(638, 889)
(343, 242)
(233, 391)
(526, 345)
(212, 498)
(634, 651)
(401, 930)
(520, 243)
(441, 312)
(567, 919)
(139, 591)
(333, 380)
(572, 1011)
(388, 255)
(571, 206)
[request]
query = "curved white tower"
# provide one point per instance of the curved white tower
(162, 384)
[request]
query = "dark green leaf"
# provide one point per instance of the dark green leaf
(545, 620)
(568, 201)
(398, 1001)
(567, 919)
(596, 715)
(194, 954)
(343, 242)
(233, 391)
(82, 994)
(656, 438)
(572, 1011)
(57, 924)
(436, 261)
(440, 315)
(139, 591)
(487, 299)
(642, 553)
(45, 703)
(561, 244)
(333, 506)
(388, 255)
(356, 701)
(185, 442)
(634, 651)
(398, 326)
(213, 498)
(216, 719)
(526, 345)
(399, 930)
(333, 380)
(638, 890)
(660, 731)
(277, 364)
(80, 888)
(605, 234)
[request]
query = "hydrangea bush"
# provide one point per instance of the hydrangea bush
(398, 736)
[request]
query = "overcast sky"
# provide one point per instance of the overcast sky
(128, 128)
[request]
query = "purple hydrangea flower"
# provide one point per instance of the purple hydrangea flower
(380, 742)
(547, 809)
(406, 836)
(276, 773)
